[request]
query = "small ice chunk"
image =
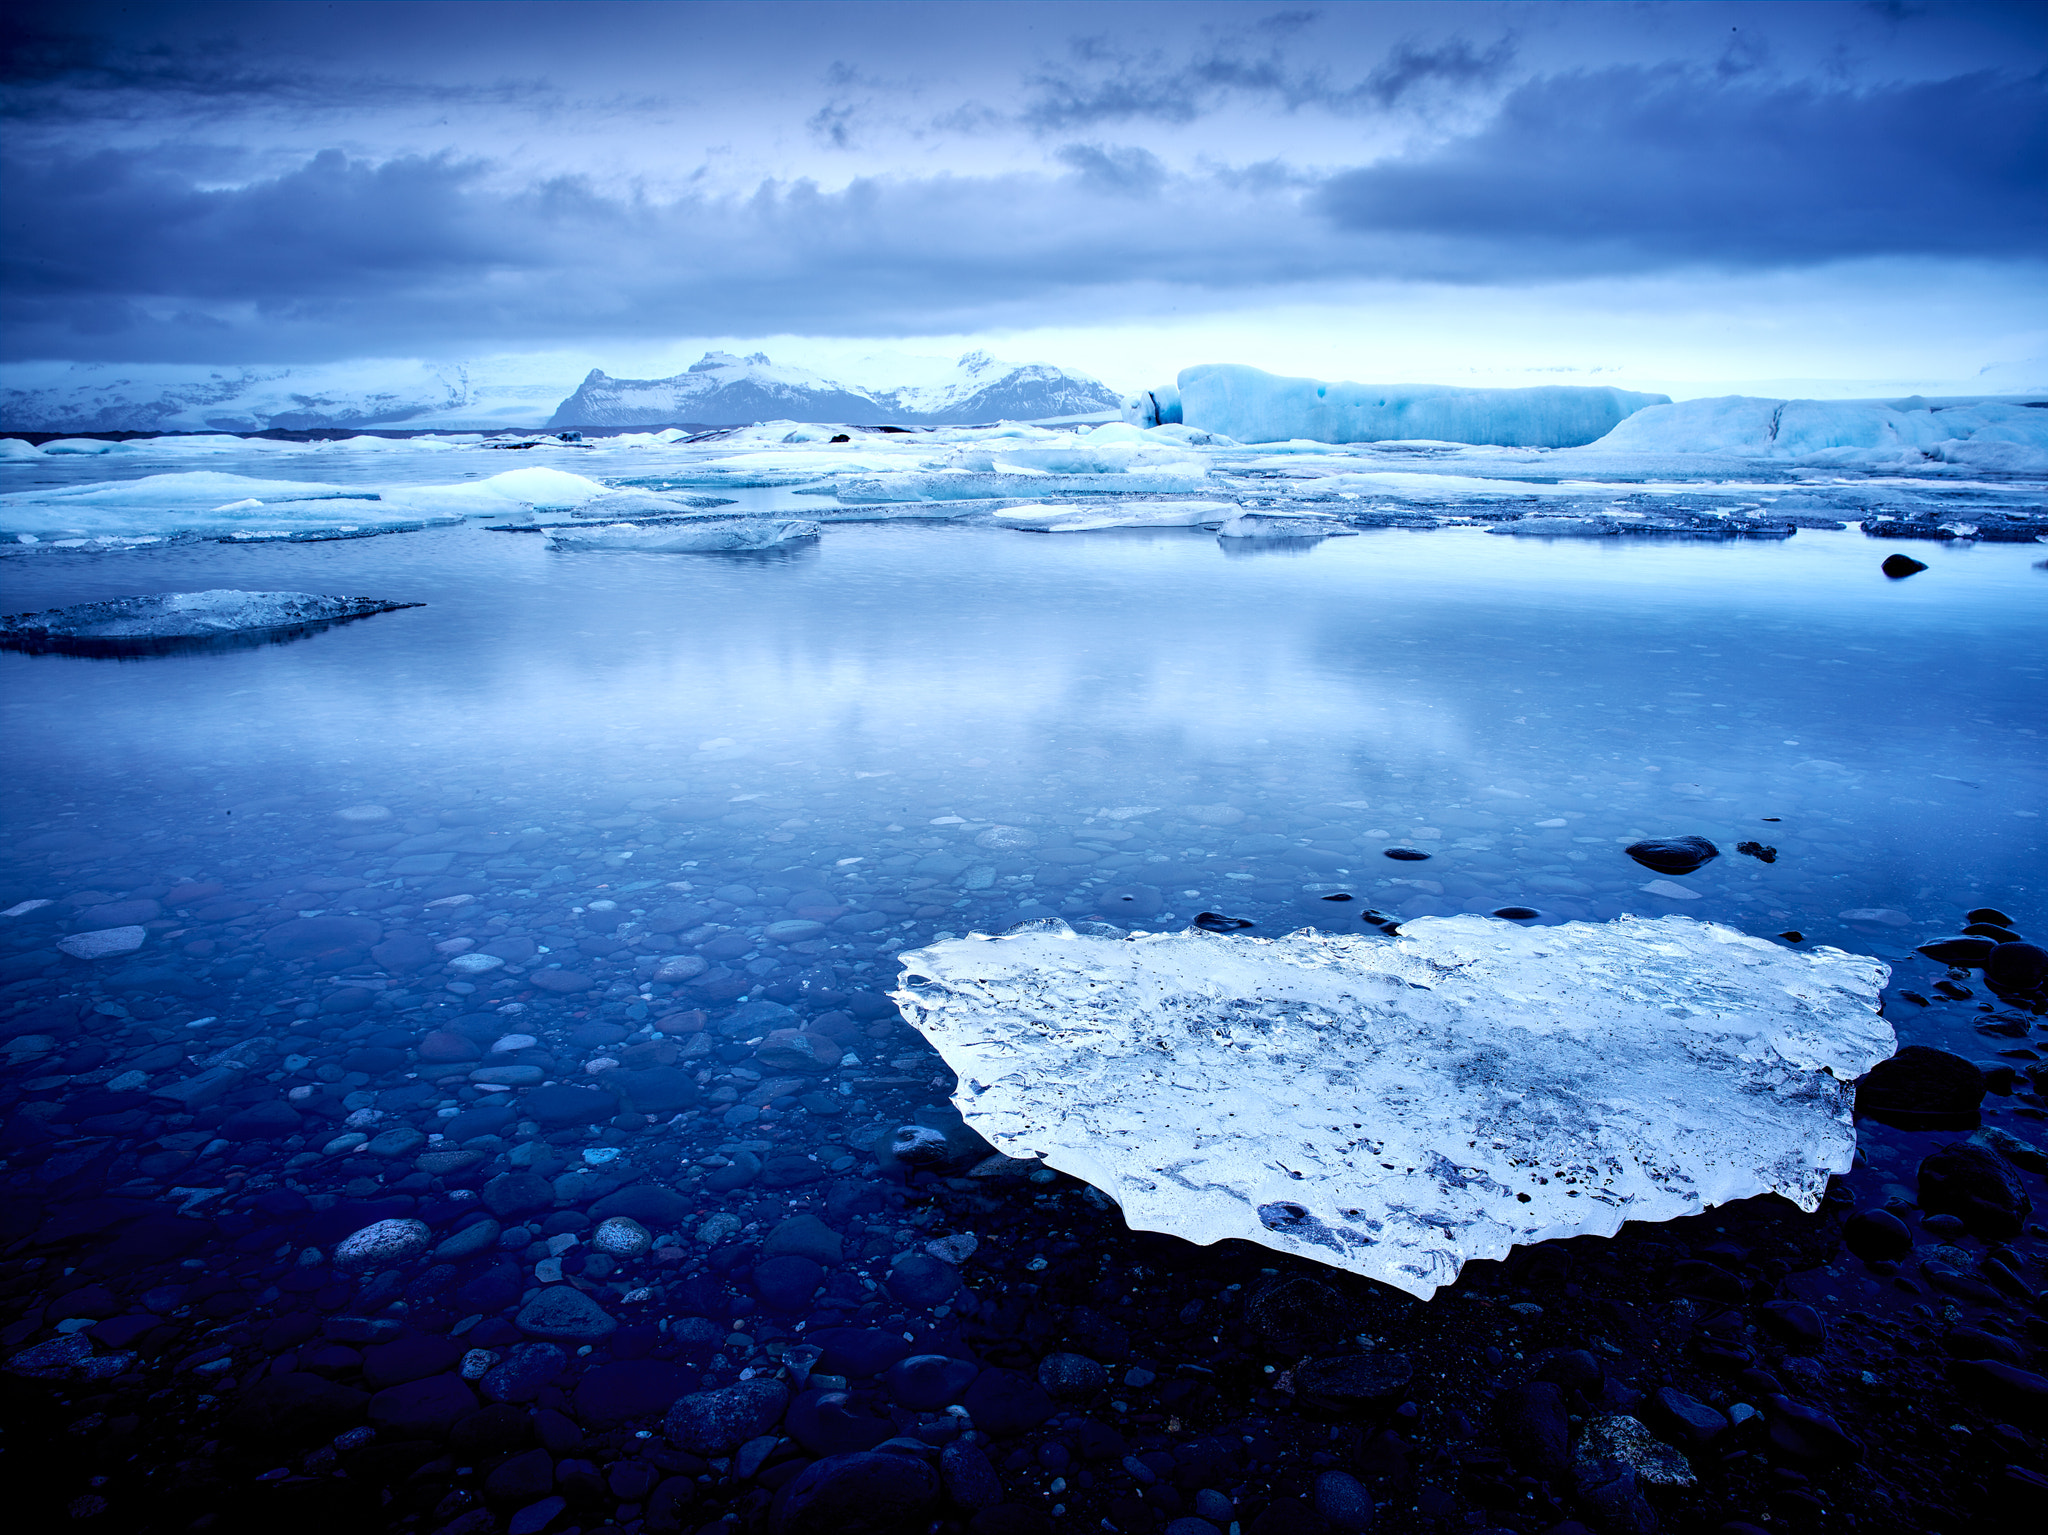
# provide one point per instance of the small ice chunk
(1396, 1109)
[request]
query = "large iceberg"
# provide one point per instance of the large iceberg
(1398, 1108)
(1987, 434)
(1251, 405)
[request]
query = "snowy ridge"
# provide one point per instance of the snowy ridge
(1987, 434)
(106, 397)
(1397, 1109)
(725, 388)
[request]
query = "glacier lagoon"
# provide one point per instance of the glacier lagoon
(673, 817)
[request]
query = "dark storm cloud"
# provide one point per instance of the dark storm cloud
(53, 75)
(1103, 84)
(1632, 169)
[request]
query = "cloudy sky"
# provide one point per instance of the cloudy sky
(1834, 198)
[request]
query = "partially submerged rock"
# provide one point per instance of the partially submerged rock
(176, 621)
(1396, 1109)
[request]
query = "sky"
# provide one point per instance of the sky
(1798, 198)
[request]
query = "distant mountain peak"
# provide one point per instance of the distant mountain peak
(721, 388)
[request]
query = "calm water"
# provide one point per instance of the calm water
(1168, 718)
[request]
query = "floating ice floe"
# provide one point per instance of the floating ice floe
(1038, 517)
(1399, 1108)
(695, 535)
(136, 626)
(1851, 433)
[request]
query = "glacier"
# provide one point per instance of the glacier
(1399, 1108)
(1251, 405)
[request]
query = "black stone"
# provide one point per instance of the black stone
(928, 1382)
(856, 1352)
(1216, 922)
(1900, 566)
(1406, 854)
(1758, 851)
(1350, 1383)
(566, 1105)
(1988, 914)
(2018, 970)
(1533, 1427)
(628, 1389)
(1877, 1236)
(922, 1281)
(1004, 1402)
(1977, 1185)
(1969, 950)
(1922, 1088)
(857, 1494)
(787, 1283)
(1516, 913)
(832, 1423)
(1673, 855)
(718, 1422)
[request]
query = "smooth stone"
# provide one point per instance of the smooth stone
(628, 1389)
(295, 1407)
(1071, 1377)
(103, 943)
(413, 1357)
(508, 1076)
(383, 1242)
(566, 1105)
(564, 1312)
(1921, 1085)
(1673, 855)
(1978, 1185)
(262, 1122)
(513, 1194)
(864, 1493)
(971, 1482)
(423, 1409)
(561, 982)
(787, 1284)
(1533, 1427)
(321, 938)
(720, 1421)
(919, 1280)
(1877, 1236)
(1003, 1402)
(804, 1236)
(621, 1236)
(831, 1423)
(524, 1371)
(1899, 566)
(928, 1382)
(1342, 1499)
(2017, 969)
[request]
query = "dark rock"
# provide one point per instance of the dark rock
(928, 1382)
(742, 1169)
(561, 982)
(484, 1119)
(660, 1090)
(858, 1494)
(1989, 914)
(1673, 855)
(566, 1105)
(511, 1195)
(1967, 950)
(650, 1204)
(1071, 1377)
(1216, 922)
(1877, 1236)
(322, 940)
(492, 1430)
(1296, 1313)
(524, 1371)
(1807, 1433)
(270, 1121)
(1899, 566)
(1978, 1185)
(492, 1290)
(1707, 1281)
(1797, 1326)
(1407, 854)
(295, 1408)
(1576, 1370)
(1003, 1402)
(719, 1422)
(412, 1357)
(1922, 1087)
(1696, 1422)
(1534, 1428)
(1343, 1501)
(565, 1313)
(521, 1479)
(923, 1281)
(1510, 913)
(2018, 970)
(423, 1409)
(804, 1236)
(971, 1482)
(404, 952)
(1350, 1383)
(628, 1389)
(831, 1423)
(1758, 851)
(857, 1352)
(787, 1283)
(2002, 1386)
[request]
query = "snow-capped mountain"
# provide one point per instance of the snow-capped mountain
(156, 397)
(723, 389)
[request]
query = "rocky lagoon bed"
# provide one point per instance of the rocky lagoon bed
(453, 1082)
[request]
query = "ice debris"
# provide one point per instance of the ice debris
(181, 621)
(695, 535)
(1039, 517)
(1399, 1108)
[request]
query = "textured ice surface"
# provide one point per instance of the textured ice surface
(1255, 406)
(1041, 518)
(1397, 1108)
(142, 624)
(1856, 433)
(696, 535)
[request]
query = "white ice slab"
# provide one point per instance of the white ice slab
(1041, 518)
(1398, 1108)
(699, 535)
